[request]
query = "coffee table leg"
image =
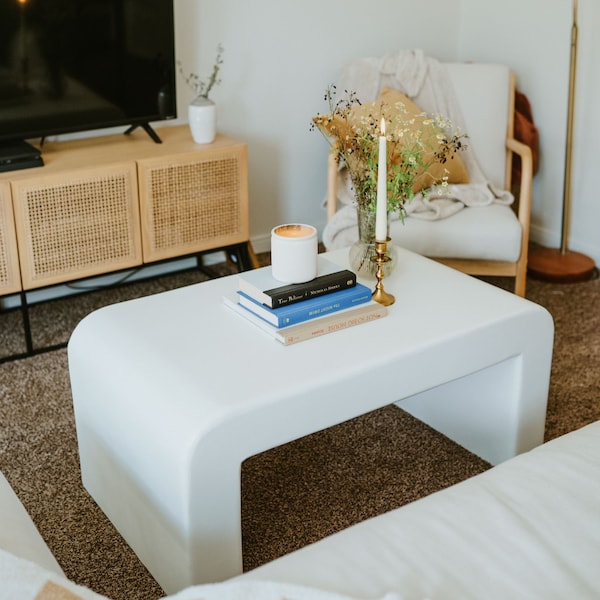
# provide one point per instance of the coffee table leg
(215, 510)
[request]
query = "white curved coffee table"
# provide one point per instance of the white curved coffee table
(173, 391)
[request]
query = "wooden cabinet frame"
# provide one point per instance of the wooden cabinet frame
(104, 204)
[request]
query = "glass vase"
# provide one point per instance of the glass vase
(363, 250)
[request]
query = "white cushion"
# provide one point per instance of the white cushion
(24, 580)
(488, 232)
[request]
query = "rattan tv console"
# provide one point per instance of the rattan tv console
(104, 204)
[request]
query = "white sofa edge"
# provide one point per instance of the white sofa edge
(527, 528)
(18, 533)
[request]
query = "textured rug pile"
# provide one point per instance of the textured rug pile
(292, 495)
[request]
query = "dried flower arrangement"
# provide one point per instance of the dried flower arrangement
(419, 146)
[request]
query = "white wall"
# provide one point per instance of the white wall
(534, 38)
(280, 55)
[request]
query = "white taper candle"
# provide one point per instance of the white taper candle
(381, 208)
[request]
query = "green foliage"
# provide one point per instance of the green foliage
(200, 87)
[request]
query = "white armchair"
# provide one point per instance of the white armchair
(487, 240)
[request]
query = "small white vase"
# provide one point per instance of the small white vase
(202, 116)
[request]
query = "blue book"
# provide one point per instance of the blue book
(299, 312)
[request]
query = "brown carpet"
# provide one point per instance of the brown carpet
(292, 495)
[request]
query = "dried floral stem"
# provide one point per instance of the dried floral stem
(201, 88)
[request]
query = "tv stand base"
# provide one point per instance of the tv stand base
(148, 129)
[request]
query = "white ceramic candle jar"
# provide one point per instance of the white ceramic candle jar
(294, 249)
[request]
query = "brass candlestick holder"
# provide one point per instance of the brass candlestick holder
(379, 294)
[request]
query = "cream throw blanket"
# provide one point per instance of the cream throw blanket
(425, 81)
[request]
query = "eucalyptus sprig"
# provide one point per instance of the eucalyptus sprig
(200, 87)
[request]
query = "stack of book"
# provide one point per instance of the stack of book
(291, 313)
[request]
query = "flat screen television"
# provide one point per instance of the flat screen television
(80, 65)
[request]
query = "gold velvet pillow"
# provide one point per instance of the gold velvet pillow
(453, 168)
(414, 119)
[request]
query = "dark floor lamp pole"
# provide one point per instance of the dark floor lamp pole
(563, 265)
